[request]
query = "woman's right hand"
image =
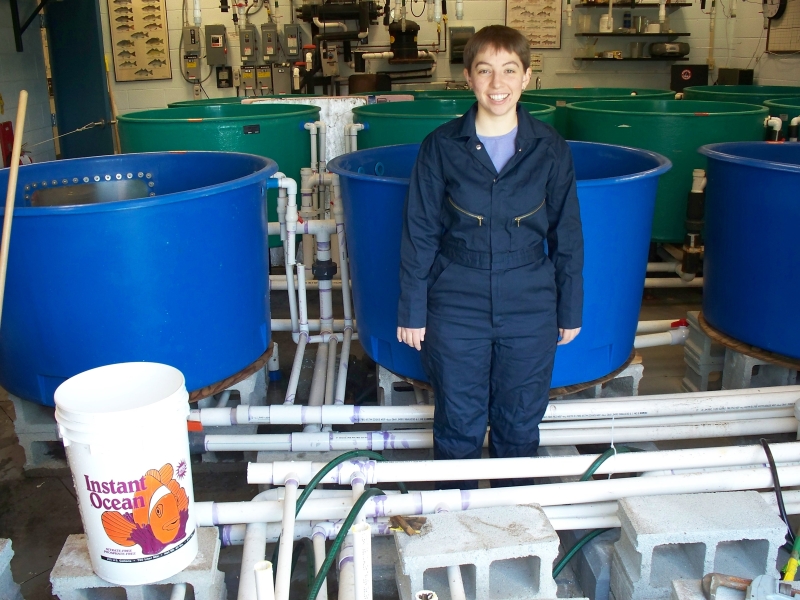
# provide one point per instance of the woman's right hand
(412, 337)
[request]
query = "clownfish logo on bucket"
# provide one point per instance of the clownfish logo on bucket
(154, 517)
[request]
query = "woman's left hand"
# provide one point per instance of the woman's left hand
(567, 335)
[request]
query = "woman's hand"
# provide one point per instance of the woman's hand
(567, 335)
(412, 337)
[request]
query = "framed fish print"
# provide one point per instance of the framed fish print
(139, 39)
(537, 20)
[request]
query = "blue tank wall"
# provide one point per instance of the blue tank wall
(616, 187)
(178, 276)
(751, 281)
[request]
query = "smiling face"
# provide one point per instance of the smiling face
(498, 78)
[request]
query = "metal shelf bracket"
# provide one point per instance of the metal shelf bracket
(15, 23)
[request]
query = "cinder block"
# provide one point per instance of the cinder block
(688, 589)
(686, 536)
(42, 451)
(699, 345)
(30, 417)
(701, 378)
(8, 589)
(626, 383)
(394, 391)
(504, 553)
(72, 577)
(742, 371)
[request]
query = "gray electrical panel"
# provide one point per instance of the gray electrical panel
(269, 41)
(191, 54)
(330, 61)
(248, 79)
(264, 80)
(281, 79)
(191, 40)
(216, 45)
(248, 44)
(292, 47)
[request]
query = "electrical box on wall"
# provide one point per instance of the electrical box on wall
(688, 75)
(281, 79)
(216, 45)
(264, 80)
(330, 61)
(292, 47)
(191, 67)
(248, 44)
(459, 36)
(224, 77)
(269, 41)
(248, 79)
(191, 40)
(735, 77)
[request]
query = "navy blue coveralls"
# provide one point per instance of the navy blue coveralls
(475, 273)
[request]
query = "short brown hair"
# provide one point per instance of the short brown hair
(498, 37)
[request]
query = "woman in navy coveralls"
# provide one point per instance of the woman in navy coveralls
(491, 262)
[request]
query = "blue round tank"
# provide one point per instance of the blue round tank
(156, 257)
(617, 191)
(751, 282)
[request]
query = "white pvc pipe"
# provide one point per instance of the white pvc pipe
(318, 540)
(672, 282)
(330, 377)
(376, 473)
(313, 324)
(254, 552)
(347, 303)
(263, 576)
(178, 592)
(583, 492)
(317, 393)
(362, 560)
(456, 583)
(346, 570)
(663, 267)
(312, 129)
(423, 439)
(673, 337)
(284, 575)
(632, 406)
(656, 326)
(303, 336)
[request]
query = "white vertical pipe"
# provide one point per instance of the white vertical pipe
(322, 128)
(362, 560)
(318, 540)
(297, 365)
(178, 592)
(286, 546)
(346, 570)
(263, 577)
(317, 394)
(330, 379)
(456, 583)
(254, 551)
(347, 303)
(312, 129)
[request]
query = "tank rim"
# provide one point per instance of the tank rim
(750, 90)
(547, 92)
(131, 118)
(365, 110)
(752, 109)
(717, 151)
(268, 165)
(663, 165)
(782, 102)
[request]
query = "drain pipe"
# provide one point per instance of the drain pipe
(423, 439)
(354, 129)
(297, 364)
(673, 337)
(362, 560)
(318, 538)
(721, 401)
(546, 495)
(773, 126)
(346, 569)
(312, 129)
(284, 571)
(347, 303)
(263, 573)
(794, 126)
(253, 553)
(659, 326)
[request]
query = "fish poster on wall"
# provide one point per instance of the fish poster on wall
(537, 20)
(139, 39)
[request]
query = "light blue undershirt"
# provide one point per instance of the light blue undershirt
(500, 148)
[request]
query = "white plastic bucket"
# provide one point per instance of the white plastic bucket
(124, 430)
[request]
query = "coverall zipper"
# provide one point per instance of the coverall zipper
(473, 215)
(526, 215)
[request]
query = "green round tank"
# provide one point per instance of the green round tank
(392, 123)
(560, 97)
(785, 109)
(414, 93)
(749, 94)
(272, 130)
(674, 128)
(229, 100)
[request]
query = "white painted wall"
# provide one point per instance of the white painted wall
(744, 44)
(25, 70)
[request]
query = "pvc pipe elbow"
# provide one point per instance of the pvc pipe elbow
(774, 123)
(289, 184)
(321, 127)
(795, 121)
(679, 336)
(312, 127)
(699, 180)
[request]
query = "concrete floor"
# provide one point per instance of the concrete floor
(38, 510)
